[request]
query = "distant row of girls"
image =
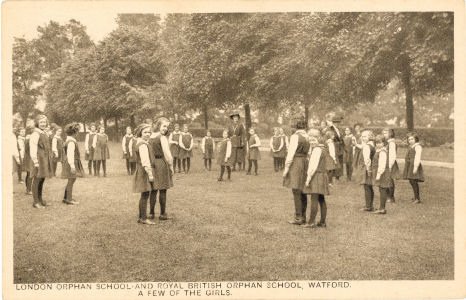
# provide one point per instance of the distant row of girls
(316, 156)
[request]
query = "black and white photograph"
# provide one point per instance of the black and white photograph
(238, 153)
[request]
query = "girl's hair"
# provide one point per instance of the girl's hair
(350, 129)
(159, 122)
(414, 135)
(19, 129)
(227, 131)
(314, 132)
(380, 139)
(357, 124)
(207, 131)
(140, 128)
(38, 118)
(370, 134)
(128, 127)
(176, 125)
(59, 128)
(92, 124)
(100, 127)
(71, 129)
(391, 132)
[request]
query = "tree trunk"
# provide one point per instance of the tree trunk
(84, 128)
(206, 117)
(117, 130)
(306, 115)
(247, 117)
(105, 123)
(406, 79)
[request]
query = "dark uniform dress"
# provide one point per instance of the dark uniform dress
(282, 153)
(208, 148)
(141, 181)
(101, 151)
(409, 167)
(357, 153)
(175, 148)
(28, 164)
(385, 180)
(276, 140)
(90, 155)
(330, 163)
(127, 140)
(296, 177)
(44, 156)
(319, 181)
(348, 153)
(236, 134)
(360, 167)
(66, 170)
(161, 169)
(222, 152)
(186, 139)
(132, 156)
(254, 152)
(395, 171)
(339, 151)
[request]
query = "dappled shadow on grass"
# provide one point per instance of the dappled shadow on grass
(230, 231)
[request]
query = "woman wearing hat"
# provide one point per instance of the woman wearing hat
(295, 171)
(41, 156)
(237, 134)
(72, 166)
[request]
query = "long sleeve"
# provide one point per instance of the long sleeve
(417, 157)
(15, 149)
(94, 142)
(22, 148)
(331, 150)
(130, 147)
(291, 150)
(366, 154)
(391, 154)
(33, 141)
(203, 145)
(228, 152)
(70, 154)
(382, 163)
(86, 143)
(180, 141)
(54, 146)
(313, 162)
(166, 150)
(123, 144)
(145, 160)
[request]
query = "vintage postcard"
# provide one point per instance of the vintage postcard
(233, 149)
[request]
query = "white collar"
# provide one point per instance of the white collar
(301, 131)
(381, 149)
(130, 135)
(371, 143)
(415, 144)
(70, 138)
(57, 136)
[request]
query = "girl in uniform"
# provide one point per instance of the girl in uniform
(174, 140)
(364, 169)
(295, 170)
(224, 155)
(125, 146)
(143, 179)
(317, 180)
(348, 152)
(162, 167)
(331, 162)
(413, 168)
(101, 151)
(72, 166)
(186, 146)
(57, 149)
(389, 135)
(276, 146)
(41, 156)
(357, 145)
(381, 172)
(253, 151)
(286, 143)
(89, 148)
(21, 145)
(28, 165)
(208, 150)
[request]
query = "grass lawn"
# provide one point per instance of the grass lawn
(230, 231)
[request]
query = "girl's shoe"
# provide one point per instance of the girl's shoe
(311, 225)
(320, 224)
(163, 217)
(380, 212)
(417, 201)
(146, 222)
(37, 205)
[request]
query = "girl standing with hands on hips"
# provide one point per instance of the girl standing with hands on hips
(253, 151)
(208, 150)
(72, 167)
(101, 151)
(389, 135)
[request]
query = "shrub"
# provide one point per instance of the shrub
(430, 137)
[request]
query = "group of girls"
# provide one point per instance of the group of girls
(96, 150)
(181, 146)
(40, 149)
(279, 144)
(311, 163)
